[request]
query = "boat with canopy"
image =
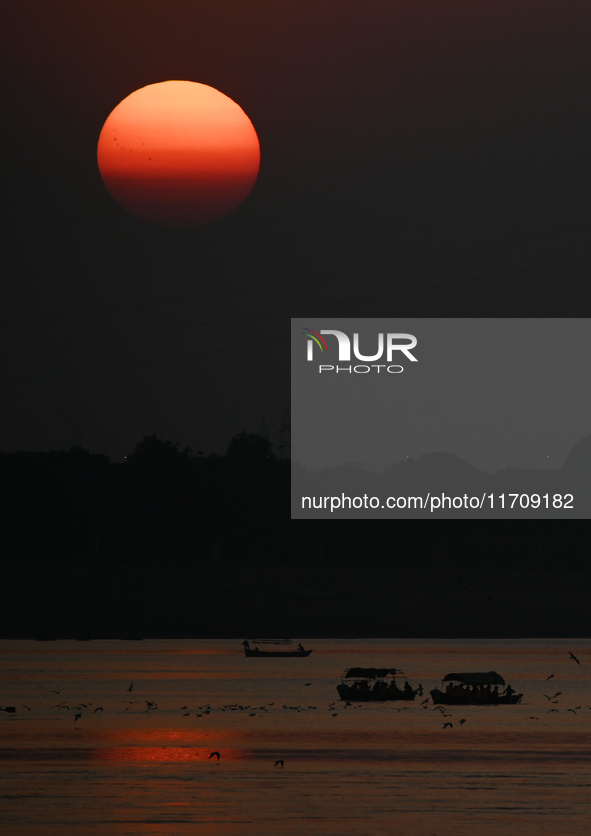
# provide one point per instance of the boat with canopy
(474, 689)
(376, 685)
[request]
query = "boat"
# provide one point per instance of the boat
(376, 685)
(475, 689)
(273, 647)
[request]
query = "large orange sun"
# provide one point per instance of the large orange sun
(178, 153)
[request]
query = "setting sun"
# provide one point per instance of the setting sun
(178, 153)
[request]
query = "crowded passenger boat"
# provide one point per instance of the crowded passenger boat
(475, 689)
(376, 685)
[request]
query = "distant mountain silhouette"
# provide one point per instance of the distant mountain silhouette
(439, 478)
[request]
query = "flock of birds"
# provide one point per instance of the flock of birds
(253, 711)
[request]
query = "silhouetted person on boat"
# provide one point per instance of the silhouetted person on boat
(509, 692)
(495, 692)
(407, 688)
(301, 649)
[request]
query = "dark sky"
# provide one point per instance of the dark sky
(418, 159)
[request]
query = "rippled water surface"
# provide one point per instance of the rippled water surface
(138, 761)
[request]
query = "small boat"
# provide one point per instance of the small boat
(475, 689)
(373, 685)
(273, 647)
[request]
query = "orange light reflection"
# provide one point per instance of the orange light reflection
(167, 754)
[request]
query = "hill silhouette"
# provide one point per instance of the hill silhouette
(176, 543)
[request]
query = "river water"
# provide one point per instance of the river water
(138, 761)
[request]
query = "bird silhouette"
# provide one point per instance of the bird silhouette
(214, 755)
(572, 656)
(98, 708)
(534, 718)
(451, 725)
(550, 677)
(462, 722)
(278, 763)
(77, 716)
(130, 687)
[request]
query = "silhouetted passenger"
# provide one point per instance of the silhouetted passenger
(301, 649)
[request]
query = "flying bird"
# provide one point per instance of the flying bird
(462, 721)
(534, 718)
(550, 677)
(278, 763)
(130, 687)
(214, 755)
(451, 725)
(572, 656)
(98, 708)
(77, 716)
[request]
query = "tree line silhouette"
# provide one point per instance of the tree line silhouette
(176, 543)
